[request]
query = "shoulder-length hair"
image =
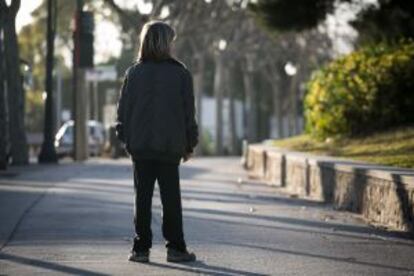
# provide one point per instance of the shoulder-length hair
(155, 41)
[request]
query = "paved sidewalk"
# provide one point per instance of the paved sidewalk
(76, 219)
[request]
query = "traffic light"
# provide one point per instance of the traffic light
(84, 38)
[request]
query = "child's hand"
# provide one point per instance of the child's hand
(187, 157)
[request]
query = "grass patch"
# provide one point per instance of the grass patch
(392, 148)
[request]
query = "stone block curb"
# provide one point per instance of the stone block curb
(383, 195)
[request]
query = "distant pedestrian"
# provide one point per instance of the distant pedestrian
(157, 124)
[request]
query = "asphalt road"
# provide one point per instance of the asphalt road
(76, 219)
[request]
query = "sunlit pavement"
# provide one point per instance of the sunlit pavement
(77, 219)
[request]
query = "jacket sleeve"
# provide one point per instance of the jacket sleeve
(122, 111)
(190, 121)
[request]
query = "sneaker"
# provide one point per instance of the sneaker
(175, 256)
(139, 256)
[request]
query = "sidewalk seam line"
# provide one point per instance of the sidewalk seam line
(20, 220)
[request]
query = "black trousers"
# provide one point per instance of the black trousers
(167, 175)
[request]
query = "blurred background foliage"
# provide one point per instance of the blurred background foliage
(359, 105)
(368, 90)
(376, 21)
(239, 50)
(293, 15)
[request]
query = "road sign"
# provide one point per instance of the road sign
(101, 73)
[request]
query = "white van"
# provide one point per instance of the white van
(64, 139)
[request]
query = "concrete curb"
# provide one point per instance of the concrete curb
(383, 195)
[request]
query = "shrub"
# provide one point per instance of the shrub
(368, 90)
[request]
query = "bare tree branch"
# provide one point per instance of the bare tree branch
(14, 7)
(124, 16)
(3, 5)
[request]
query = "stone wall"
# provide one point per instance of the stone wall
(383, 195)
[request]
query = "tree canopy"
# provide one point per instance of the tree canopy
(292, 15)
(380, 21)
(391, 20)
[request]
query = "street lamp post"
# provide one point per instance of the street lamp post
(291, 70)
(218, 91)
(48, 151)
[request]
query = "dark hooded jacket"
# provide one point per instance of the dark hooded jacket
(156, 113)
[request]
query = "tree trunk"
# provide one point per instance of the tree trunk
(293, 112)
(280, 115)
(234, 145)
(278, 109)
(218, 93)
(4, 133)
(251, 107)
(19, 148)
(198, 89)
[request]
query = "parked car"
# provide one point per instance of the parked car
(64, 139)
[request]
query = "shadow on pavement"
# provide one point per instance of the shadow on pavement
(48, 265)
(334, 230)
(320, 256)
(227, 197)
(200, 267)
(296, 221)
(109, 217)
(87, 170)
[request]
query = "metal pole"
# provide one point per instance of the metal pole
(218, 91)
(4, 122)
(80, 139)
(48, 152)
(58, 99)
(95, 100)
(81, 117)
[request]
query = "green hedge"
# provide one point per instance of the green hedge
(368, 90)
